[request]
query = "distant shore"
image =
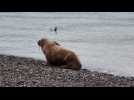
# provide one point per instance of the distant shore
(29, 72)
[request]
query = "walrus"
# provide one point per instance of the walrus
(59, 56)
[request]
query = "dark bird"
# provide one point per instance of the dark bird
(55, 29)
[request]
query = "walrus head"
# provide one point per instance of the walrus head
(42, 42)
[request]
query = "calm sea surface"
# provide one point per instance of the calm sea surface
(104, 41)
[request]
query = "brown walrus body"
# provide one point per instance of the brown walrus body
(58, 56)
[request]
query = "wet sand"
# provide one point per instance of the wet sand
(29, 72)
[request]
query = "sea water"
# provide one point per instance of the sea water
(104, 41)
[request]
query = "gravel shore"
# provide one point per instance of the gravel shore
(28, 72)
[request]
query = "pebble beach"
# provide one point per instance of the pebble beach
(28, 72)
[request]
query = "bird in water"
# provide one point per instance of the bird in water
(54, 29)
